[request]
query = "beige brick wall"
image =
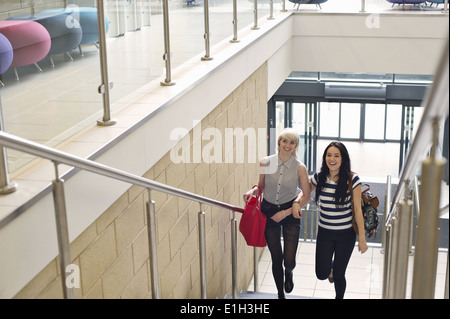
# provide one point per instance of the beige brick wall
(112, 253)
(9, 8)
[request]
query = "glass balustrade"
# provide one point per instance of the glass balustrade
(52, 104)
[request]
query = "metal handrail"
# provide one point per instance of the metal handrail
(436, 106)
(59, 157)
(398, 223)
(20, 144)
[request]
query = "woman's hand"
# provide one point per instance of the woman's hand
(296, 210)
(248, 195)
(362, 245)
(279, 216)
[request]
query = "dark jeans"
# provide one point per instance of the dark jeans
(290, 227)
(340, 244)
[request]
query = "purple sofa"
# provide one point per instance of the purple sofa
(30, 41)
(6, 54)
(64, 37)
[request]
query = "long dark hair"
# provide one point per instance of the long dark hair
(344, 174)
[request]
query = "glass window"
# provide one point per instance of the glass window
(298, 117)
(304, 75)
(418, 112)
(279, 115)
(374, 121)
(355, 77)
(329, 119)
(413, 78)
(298, 123)
(394, 122)
(350, 120)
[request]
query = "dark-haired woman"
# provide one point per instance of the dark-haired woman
(336, 237)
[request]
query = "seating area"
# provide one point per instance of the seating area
(87, 19)
(6, 55)
(33, 37)
(437, 2)
(299, 2)
(64, 37)
(29, 40)
(420, 3)
(403, 2)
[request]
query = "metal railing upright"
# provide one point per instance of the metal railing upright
(397, 225)
(206, 36)
(59, 157)
(106, 85)
(167, 56)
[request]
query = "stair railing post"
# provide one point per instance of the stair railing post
(393, 256)
(105, 87)
(271, 11)
(363, 6)
(202, 252)
(6, 187)
(234, 268)
(153, 247)
(387, 209)
(283, 8)
(312, 225)
(167, 54)
(255, 15)
(427, 239)
(235, 23)
(405, 212)
(305, 222)
(416, 205)
(446, 277)
(62, 231)
(255, 269)
(206, 36)
(387, 261)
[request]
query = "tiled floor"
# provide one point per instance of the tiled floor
(364, 275)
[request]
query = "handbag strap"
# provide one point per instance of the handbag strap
(367, 189)
(259, 197)
(350, 189)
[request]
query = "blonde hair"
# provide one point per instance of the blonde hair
(290, 134)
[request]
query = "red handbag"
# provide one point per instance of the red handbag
(253, 222)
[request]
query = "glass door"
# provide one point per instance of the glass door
(411, 117)
(350, 121)
(308, 112)
(300, 116)
(386, 131)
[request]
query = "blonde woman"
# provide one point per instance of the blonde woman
(280, 178)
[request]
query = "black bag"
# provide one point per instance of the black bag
(369, 204)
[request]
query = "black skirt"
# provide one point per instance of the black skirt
(270, 209)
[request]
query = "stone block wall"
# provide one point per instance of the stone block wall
(112, 253)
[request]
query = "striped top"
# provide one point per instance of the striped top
(332, 217)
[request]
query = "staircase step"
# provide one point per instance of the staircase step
(263, 295)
